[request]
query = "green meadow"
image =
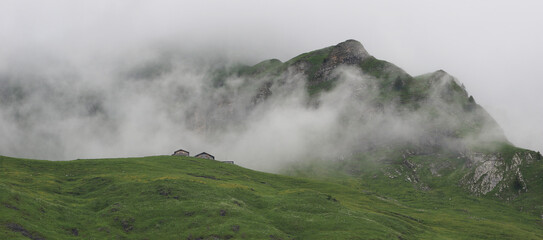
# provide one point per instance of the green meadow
(170, 197)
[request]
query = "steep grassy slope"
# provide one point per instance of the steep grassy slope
(167, 197)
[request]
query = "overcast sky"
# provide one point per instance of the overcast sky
(493, 47)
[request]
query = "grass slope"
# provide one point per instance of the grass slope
(166, 197)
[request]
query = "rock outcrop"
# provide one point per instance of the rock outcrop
(495, 173)
(487, 173)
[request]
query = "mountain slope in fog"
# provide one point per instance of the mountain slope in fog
(425, 130)
(364, 141)
(56, 108)
(334, 104)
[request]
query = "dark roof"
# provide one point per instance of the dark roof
(204, 153)
(181, 150)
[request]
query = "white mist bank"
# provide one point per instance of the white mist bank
(156, 102)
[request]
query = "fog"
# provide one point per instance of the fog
(118, 79)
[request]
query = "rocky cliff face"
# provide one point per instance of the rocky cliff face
(497, 174)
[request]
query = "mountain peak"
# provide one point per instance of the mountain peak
(351, 43)
(350, 51)
(441, 75)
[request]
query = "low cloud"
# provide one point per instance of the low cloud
(157, 103)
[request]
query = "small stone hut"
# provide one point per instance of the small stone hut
(205, 155)
(181, 152)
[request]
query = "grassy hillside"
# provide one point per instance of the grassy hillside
(166, 197)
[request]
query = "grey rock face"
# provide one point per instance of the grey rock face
(262, 93)
(493, 172)
(514, 170)
(487, 175)
(348, 52)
